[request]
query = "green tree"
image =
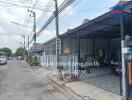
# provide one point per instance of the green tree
(6, 50)
(20, 52)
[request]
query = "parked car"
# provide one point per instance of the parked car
(20, 58)
(9, 58)
(3, 60)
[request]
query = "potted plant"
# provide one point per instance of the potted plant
(34, 61)
(60, 69)
(29, 59)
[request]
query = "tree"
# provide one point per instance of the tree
(20, 52)
(6, 50)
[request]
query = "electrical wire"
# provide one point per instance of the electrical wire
(30, 13)
(45, 10)
(72, 8)
(64, 5)
(92, 8)
(61, 8)
(9, 4)
(28, 17)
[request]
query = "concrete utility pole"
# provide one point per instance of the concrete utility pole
(28, 46)
(57, 32)
(33, 14)
(56, 18)
(23, 36)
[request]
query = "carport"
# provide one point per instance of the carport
(84, 41)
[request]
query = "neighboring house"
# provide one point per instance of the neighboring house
(37, 49)
(48, 59)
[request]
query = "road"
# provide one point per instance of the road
(18, 81)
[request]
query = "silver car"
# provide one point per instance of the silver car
(3, 60)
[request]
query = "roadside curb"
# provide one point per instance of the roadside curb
(69, 90)
(59, 84)
(65, 86)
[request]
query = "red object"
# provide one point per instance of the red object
(130, 73)
(117, 11)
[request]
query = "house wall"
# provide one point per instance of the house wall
(48, 58)
(87, 47)
(69, 51)
(69, 43)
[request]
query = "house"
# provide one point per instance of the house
(38, 48)
(97, 42)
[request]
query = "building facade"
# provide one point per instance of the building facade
(98, 43)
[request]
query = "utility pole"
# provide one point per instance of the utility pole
(56, 18)
(28, 46)
(57, 32)
(23, 36)
(33, 14)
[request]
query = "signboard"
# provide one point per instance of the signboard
(117, 11)
(126, 50)
(130, 50)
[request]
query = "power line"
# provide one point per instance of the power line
(47, 9)
(30, 14)
(64, 5)
(73, 7)
(92, 8)
(8, 4)
(61, 8)
(28, 17)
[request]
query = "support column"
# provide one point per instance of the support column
(78, 49)
(124, 84)
(131, 21)
(62, 46)
(93, 46)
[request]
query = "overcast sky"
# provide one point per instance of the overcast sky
(72, 17)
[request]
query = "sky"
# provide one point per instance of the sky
(71, 17)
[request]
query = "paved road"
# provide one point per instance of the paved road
(18, 81)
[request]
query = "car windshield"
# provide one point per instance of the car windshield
(2, 57)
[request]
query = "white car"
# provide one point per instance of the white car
(3, 60)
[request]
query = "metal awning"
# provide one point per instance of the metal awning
(104, 26)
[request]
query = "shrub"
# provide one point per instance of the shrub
(30, 59)
(34, 60)
(60, 68)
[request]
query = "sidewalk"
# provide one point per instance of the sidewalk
(82, 89)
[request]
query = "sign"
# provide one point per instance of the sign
(117, 11)
(130, 50)
(126, 50)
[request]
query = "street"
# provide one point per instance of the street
(18, 81)
(66, 50)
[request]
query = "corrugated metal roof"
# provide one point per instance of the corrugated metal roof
(96, 23)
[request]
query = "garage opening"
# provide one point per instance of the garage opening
(103, 57)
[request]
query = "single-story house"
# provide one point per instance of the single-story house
(97, 42)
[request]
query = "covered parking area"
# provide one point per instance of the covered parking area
(97, 42)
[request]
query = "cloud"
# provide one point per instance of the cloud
(45, 36)
(18, 14)
(2, 30)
